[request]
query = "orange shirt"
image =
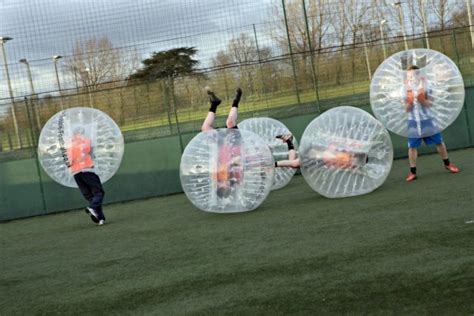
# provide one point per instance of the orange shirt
(223, 163)
(335, 158)
(222, 172)
(79, 154)
(224, 169)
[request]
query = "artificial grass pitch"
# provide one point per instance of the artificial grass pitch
(404, 248)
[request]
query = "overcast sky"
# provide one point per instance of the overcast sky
(43, 28)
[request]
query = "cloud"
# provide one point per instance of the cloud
(49, 27)
(43, 28)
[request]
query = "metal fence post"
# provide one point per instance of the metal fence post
(173, 99)
(122, 115)
(34, 143)
(291, 52)
(313, 72)
(260, 65)
(166, 103)
(465, 103)
(367, 59)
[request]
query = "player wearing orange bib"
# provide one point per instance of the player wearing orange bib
(79, 153)
(332, 156)
(81, 166)
(227, 170)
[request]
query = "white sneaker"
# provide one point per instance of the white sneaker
(101, 222)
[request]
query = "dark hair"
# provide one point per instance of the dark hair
(223, 192)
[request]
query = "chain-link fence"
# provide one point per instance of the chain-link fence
(146, 64)
(289, 57)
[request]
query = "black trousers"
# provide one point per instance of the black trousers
(91, 188)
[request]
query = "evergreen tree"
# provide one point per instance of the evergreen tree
(168, 64)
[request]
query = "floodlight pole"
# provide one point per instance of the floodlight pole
(3, 40)
(32, 88)
(313, 72)
(295, 78)
(55, 61)
(30, 78)
(366, 55)
(423, 19)
(469, 16)
(383, 39)
(402, 22)
(87, 70)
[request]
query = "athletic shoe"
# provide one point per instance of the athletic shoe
(452, 168)
(411, 177)
(93, 213)
(285, 138)
(238, 94)
(101, 222)
(215, 101)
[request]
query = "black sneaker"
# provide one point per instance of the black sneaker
(215, 101)
(238, 94)
(93, 214)
(286, 138)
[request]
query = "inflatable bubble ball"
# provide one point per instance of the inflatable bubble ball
(417, 93)
(268, 128)
(226, 171)
(345, 152)
(57, 144)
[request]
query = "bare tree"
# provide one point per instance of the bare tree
(318, 14)
(341, 27)
(243, 52)
(413, 15)
(307, 23)
(223, 60)
(321, 13)
(459, 17)
(95, 62)
(355, 14)
(391, 13)
(441, 12)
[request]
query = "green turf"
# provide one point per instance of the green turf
(406, 248)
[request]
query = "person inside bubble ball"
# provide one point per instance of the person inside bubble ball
(293, 161)
(417, 103)
(344, 156)
(81, 165)
(228, 171)
(333, 156)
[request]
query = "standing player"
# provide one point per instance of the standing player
(417, 102)
(82, 167)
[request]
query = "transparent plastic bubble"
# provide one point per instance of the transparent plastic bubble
(226, 171)
(345, 152)
(54, 147)
(419, 102)
(268, 128)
